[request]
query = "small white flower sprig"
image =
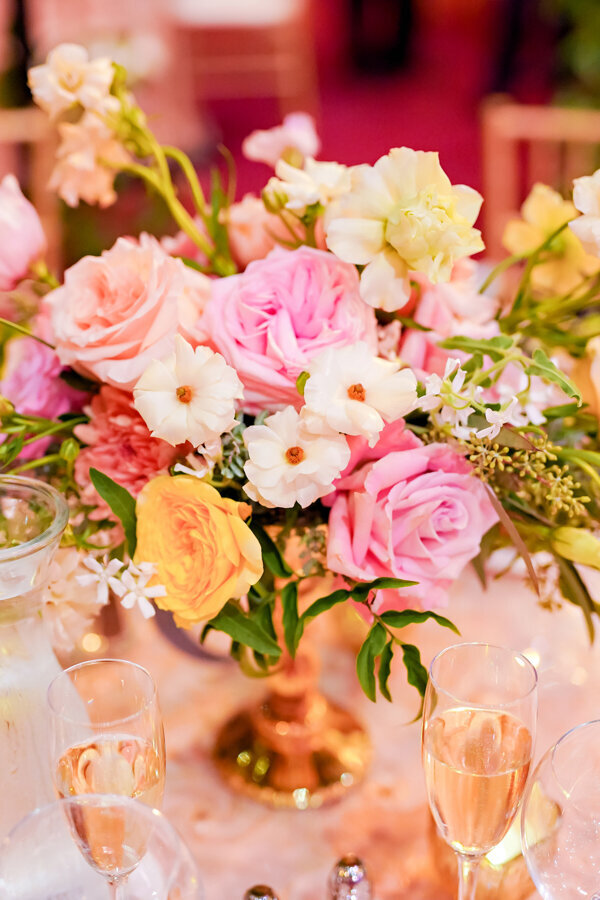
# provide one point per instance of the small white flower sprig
(111, 136)
(130, 584)
(471, 393)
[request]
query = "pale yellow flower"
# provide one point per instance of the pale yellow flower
(543, 212)
(402, 215)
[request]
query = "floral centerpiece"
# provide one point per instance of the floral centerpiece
(324, 363)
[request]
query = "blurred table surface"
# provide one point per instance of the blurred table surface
(238, 843)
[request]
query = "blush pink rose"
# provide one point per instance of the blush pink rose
(297, 132)
(117, 312)
(448, 309)
(119, 444)
(416, 513)
(22, 240)
(270, 321)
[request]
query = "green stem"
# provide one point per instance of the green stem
(531, 263)
(25, 331)
(190, 173)
(54, 429)
(36, 463)
(500, 268)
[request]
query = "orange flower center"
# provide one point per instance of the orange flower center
(184, 393)
(357, 392)
(294, 455)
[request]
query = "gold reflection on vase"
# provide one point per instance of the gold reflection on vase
(296, 748)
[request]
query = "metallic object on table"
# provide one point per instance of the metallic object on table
(296, 748)
(348, 880)
(260, 892)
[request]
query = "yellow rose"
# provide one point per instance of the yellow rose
(203, 551)
(544, 211)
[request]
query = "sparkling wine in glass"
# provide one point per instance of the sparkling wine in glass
(478, 734)
(107, 738)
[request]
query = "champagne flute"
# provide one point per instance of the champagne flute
(560, 823)
(478, 734)
(106, 738)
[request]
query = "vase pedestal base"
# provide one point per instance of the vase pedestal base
(296, 749)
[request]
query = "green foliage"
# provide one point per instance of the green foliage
(121, 502)
(371, 649)
(246, 629)
(272, 557)
(546, 369)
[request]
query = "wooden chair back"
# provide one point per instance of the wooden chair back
(265, 55)
(525, 144)
(29, 143)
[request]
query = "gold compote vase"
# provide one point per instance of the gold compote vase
(295, 748)
(33, 517)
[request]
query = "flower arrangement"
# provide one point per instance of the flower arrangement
(324, 364)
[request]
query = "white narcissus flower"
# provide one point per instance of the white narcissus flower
(80, 173)
(316, 182)
(402, 215)
(289, 462)
(70, 77)
(189, 396)
(586, 197)
(132, 588)
(357, 393)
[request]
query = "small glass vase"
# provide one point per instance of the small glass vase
(295, 748)
(33, 517)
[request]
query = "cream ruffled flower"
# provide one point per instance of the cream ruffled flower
(544, 211)
(291, 463)
(190, 396)
(357, 393)
(70, 77)
(402, 215)
(79, 173)
(316, 182)
(586, 197)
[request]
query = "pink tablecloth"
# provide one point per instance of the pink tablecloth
(238, 843)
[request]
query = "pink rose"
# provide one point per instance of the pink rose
(297, 132)
(33, 385)
(22, 240)
(119, 444)
(117, 312)
(270, 321)
(416, 513)
(448, 309)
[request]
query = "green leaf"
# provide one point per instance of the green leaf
(575, 591)
(289, 602)
(487, 545)
(496, 348)
(245, 630)
(560, 412)
(361, 591)
(401, 618)
(320, 606)
(121, 502)
(546, 369)
(272, 558)
(513, 533)
(365, 661)
(384, 669)
(416, 673)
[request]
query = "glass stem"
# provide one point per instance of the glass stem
(468, 869)
(114, 890)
